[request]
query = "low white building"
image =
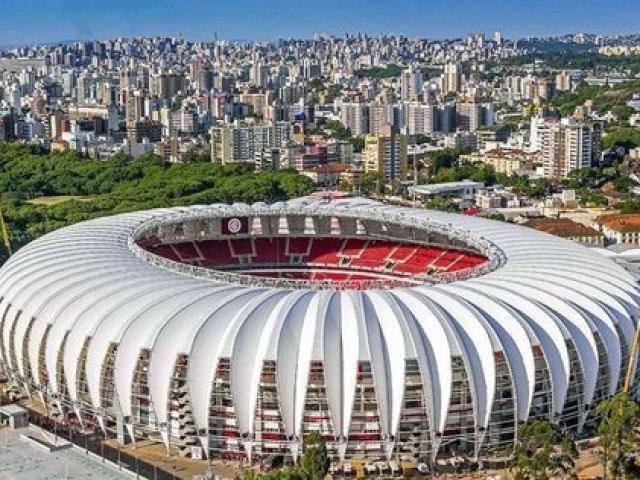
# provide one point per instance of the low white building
(464, 190)
(619, 228)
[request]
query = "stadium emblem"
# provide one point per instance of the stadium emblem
(234, 225)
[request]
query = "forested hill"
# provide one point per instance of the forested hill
(84, 189)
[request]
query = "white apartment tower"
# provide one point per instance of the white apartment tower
(241, 142)
(563, 82)
(419, 118)
(568, 145)
(452, 78)
(259, 74)
(355, 117)
(411, 84)
(381, 115)
(470, 116)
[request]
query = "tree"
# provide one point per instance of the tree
(622, 184)
(314, 463)
(478, 172)
(371, 182)
(444, 159)
(542, 451)
(617, 432)
(390, 71)
(622, 137)
(123, 185)
(358, 144)
(497, 216)
(421, 139)
(442, 204)
(338, 130)
(629, 206)
(593, 199)
(582, 177)
(623, 112)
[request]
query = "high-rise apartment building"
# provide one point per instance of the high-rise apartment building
(355, 117)
(452, 78)
(386, 154)
(240, 142)
(568, 145)
(259, 75)
(144, 129)
(470, 116)
(380, 116)
(134, 109)
(167, 85)
(419, 118)
(202, 76)
(411, 82)
(563, 82)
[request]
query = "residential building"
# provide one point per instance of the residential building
(144, 128)
(619, 227)
(463, 190)
(491, 136)
(563, 81)
(470, 116)
(386, 154)
(239, 142)
(411, 82)
(419, 118)
(566, 228)
(568, 145)
(167, 85)
(381, 115)
(452, 77)
(508, 163)
(355, 117)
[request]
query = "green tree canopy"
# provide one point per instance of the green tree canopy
(337, 130)
(618, 432)
(542, 452)
(622, 137)
(98, 188)
(315, 462)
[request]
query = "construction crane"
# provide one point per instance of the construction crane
(633, 358)
(5, 233)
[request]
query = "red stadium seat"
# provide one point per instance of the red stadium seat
(350, 259)
(216, 252)
(186, 251)
(374, 256)
(325, 251)
(299, 246)
(166, 251)
(444, 261)
(403, 252)
(353, 247)
(241, 246)
(269, 251)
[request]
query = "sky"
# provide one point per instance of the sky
(43, 21)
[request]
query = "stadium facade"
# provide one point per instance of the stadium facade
(240, 329)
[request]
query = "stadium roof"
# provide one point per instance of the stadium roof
(86, 282)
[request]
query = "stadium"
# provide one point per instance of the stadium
(232, 331)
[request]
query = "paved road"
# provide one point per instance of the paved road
(20, 460)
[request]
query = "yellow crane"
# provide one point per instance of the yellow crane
(5, 233)
(633, 358)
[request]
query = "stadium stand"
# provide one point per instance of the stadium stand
(319, 259)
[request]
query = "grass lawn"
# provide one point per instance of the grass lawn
(57, 199)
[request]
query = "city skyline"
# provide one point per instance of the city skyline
(264, 21)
